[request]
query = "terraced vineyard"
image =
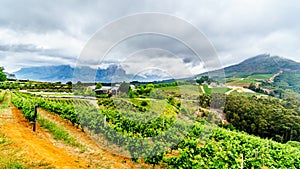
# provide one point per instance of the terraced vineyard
(167, 141)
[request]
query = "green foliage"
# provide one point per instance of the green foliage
(9, 156)
(89, 92)
(288, 80)
(83, 91)
(144, 103)
(159, 85)
(130, 130)
(295, 144)
(2, 75)
(204, 79)
(65, 108)
(142, 91)
(265, 117)
(26, 105)
(124, 87)
(2, 95)
(260, 76)
(4, 102)
(36, 86)
(98, 86)
(225, 148)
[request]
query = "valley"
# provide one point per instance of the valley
(200, 123)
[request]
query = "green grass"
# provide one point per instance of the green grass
(2, 95)
(247, 94)
(260, 76)
(9, 155)
(240, 81)
(4, 104)
(209, 91)
(234, 81)
(181, 91)
(153, 105)
(59, 133)
(220, 89)
(61, 94)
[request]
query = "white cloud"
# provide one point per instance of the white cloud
(56, 31)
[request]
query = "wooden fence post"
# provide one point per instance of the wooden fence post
(35, 117)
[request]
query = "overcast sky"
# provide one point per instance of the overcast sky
(35, 32)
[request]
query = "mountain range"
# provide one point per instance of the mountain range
(65, 73)
(260, 64)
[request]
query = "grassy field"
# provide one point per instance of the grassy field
(240, 81)
(248, 80)
(209, 91)
(184, 91)
(260, 76)
(159, 106)
(248, 94)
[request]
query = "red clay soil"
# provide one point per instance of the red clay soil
(34, 148)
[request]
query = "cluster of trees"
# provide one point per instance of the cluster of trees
(257, 88)
(159, 85)
(146, 90)
(142, 91)
(203, 79)
(267, 90)
(2, 75)
(56, 86)
(265, 117)
(285, 85)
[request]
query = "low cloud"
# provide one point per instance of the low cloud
(55, 32)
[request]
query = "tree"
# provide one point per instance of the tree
(69, 83)
(88, 92)
(203, 79)
(2, 75)
(79, 83)
(124, 87)
(98, 86)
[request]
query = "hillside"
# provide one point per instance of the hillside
(201, 145)
(262, 64)
(66, 73)
(272, 75)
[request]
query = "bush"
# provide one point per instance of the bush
(144, 103)
(295, 144)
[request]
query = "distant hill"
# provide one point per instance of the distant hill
(285, 84)
(262, 64)
(46, 73)
(64, 73)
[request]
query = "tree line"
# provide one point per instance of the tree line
(266, 117)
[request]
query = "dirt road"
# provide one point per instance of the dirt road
(40, 150)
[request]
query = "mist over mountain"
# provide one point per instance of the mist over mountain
(64, 73)
(260, 64)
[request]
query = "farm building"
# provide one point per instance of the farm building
(114, 90)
